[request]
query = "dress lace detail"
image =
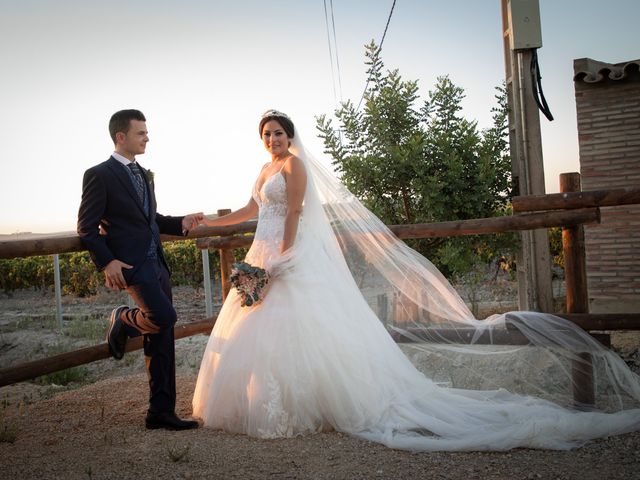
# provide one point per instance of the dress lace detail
(276, 416)
(272, 204)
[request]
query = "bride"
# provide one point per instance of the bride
(314, 356)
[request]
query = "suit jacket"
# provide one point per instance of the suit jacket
(110, 199)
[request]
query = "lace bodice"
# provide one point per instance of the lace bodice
(272, 204)
(272, 197)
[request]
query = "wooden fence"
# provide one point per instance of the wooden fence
(570, 209)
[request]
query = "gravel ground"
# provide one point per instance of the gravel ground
(95, 428)
(97, 432)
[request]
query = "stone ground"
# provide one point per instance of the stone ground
(92, 427)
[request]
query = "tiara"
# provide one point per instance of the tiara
(275, 113)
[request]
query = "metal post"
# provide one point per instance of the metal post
(208, 299)
(534, 259)
(58, 290)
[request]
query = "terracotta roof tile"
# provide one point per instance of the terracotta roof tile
(593, 71)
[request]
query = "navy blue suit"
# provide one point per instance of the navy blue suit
(110, 200)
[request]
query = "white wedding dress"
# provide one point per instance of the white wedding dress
(315, 357)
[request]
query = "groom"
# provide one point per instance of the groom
(119, 225)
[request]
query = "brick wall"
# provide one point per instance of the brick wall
(608, 113)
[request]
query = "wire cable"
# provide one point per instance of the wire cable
(333, 75)
(379, 49)
(536, 86)
(335, 48)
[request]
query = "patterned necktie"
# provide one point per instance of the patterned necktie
(139, 183)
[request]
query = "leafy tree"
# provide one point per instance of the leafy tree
(412, 164)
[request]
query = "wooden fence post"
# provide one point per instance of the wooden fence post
(575, 274)
(226, 260)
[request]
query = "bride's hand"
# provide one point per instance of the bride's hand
(265, 290)
(277, 265)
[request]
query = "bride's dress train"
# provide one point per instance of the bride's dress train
(314, 356)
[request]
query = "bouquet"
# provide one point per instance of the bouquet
(250, 282)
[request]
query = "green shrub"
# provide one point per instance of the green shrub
(80, 277)
(185, 262)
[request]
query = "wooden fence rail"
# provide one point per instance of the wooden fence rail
(36, 368)
(28, 370)
(70, 242)
(577, 199)
(228, 237)
(476, 226)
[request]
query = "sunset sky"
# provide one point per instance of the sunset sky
(203, 71)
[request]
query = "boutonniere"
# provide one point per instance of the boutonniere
(149, 174)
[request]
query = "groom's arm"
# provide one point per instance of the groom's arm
(179, 225)
(169, 225)
(90, 213)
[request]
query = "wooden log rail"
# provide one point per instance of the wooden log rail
(36, 368)
(577, 199)
(526, 221)
(464, 336)
(228, 237)
(476, 226)
(70, 242)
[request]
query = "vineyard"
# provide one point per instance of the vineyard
(79, 276)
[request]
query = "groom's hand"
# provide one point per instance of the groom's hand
(191, 221)
(113, 278)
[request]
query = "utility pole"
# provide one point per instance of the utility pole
(522, 36)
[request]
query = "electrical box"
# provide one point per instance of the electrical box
(524, 23)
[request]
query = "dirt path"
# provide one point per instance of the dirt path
(97, 432)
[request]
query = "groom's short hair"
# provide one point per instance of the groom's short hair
(121, 121)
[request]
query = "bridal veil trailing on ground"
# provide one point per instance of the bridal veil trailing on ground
(317, 353)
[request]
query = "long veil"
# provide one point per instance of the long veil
(525, 353)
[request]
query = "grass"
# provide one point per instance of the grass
(177, 454)
(36, 322)
(129, 359)
(90, 328)
(62, 377)
(8, 432)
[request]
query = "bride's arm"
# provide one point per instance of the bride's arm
(296, 177)
(249, 211)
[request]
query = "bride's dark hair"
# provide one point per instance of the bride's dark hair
(279, 117)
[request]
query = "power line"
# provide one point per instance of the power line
(379, 49)
(333, 75)
(335, 46)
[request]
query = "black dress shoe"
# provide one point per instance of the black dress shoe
(168, 421)
(116, 334)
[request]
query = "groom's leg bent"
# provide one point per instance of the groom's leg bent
(155, 318)
(150, 289)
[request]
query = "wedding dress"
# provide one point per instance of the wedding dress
(314, 356)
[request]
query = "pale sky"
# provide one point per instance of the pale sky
(204, 71)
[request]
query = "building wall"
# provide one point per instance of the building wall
(608, 112)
